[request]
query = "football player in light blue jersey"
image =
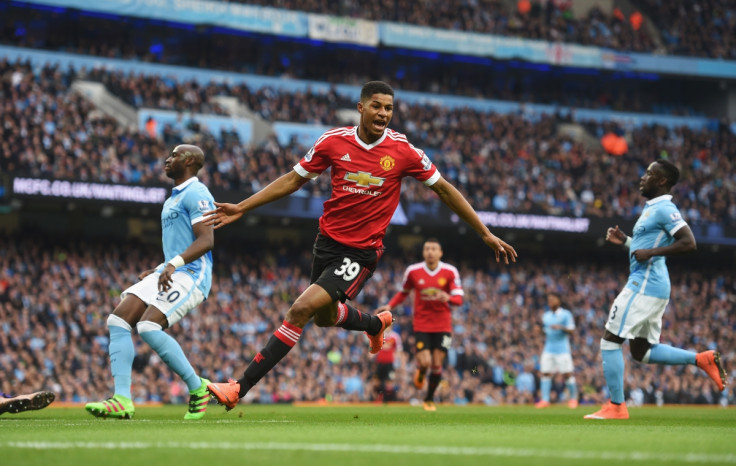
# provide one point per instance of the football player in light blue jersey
(168, 292)
(558, 324)
(636, 314)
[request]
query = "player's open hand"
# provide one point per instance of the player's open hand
(223, 214)
(615, 236)
(164, 280)
(502, 249)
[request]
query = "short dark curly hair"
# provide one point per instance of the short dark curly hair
(375, 87)
(670, 171)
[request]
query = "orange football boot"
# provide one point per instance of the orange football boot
(227, 394)
(418, 379)
(710, 362)
(610, 411)
(377, 340)
(429, 406)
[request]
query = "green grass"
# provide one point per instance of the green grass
(370, 435)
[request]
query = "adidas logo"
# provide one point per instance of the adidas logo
(346, 158)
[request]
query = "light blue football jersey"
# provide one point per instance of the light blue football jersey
(659, 221)
(558, 340)
(186, 206)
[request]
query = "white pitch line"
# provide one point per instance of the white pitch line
(405, 449)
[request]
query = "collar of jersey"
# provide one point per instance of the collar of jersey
(663, 197)
(370, 146)
(430, 271)
(186, 183)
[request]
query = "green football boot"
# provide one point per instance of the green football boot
(118, 407)
(198, 401)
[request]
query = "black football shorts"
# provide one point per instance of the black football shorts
(341, 270)
(432, 341)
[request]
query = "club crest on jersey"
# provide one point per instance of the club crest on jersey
(387, 162)
(442, 281)
(364, 179)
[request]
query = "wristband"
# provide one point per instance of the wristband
(628, 241)
(177, 262)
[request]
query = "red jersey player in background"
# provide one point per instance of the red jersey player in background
(367, 163)
(436, 286)
(387, 360)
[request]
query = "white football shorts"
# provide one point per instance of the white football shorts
(635, 315)
(182, 297)
(551, 363)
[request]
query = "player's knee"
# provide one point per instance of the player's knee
(145, 326)
(117, 321)
(299, 314)
(640, 349)
(146, 329)
(607, 345)
(324, 319)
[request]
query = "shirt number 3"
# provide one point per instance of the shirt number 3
(348, 270)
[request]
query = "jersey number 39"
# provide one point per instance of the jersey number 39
(348, 270)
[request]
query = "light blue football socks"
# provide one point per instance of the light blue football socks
(172, 354)
(122, 353)
(613, 371)
(545, 387)
(666, 354)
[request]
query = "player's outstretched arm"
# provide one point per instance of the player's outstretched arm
(225, 213)
(455, 201)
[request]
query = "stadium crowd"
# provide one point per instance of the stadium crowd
(50, 131)
(695, 27)
(55, 297)
(551, 20)
(214, 48)
(692, 27)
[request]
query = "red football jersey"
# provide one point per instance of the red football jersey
(432, 315)
(391, 346)
(366, 182)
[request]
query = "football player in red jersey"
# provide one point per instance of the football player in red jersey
(436, 286)
(367, 163)
(387, 361)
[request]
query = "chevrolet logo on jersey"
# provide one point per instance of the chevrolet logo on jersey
(364, 179)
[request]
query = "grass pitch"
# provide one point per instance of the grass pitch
(373, 435)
